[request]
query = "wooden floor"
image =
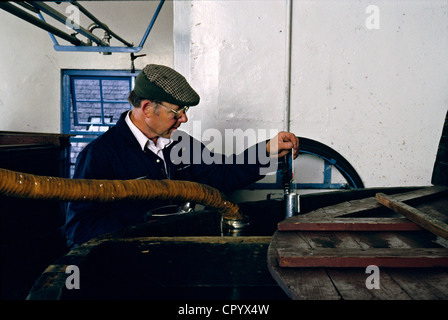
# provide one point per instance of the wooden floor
(324, 254)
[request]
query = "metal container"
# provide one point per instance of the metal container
(234, 227)
(291, 204)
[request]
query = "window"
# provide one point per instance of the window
(92, 102)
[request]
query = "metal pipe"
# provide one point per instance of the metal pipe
(27, 6)
(39, 23)
(88, 48)
(100, 24)
(151, 24)
(52, 37)
(287, 109)
(62, 18)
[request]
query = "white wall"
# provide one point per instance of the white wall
(236, 61)
(378, 96)
(31, 69)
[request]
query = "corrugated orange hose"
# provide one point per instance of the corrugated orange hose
(23, 185)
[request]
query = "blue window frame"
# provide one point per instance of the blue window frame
(92, 102)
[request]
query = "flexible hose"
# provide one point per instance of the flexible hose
(24, 185)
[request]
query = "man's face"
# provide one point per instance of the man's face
(163, 121)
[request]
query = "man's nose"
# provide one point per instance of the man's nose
(183, 117)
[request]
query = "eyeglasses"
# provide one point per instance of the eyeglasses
(177, 114)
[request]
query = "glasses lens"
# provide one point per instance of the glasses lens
(178, 113)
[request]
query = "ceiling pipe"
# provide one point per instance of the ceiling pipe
(100, 24)
(39, 23)
(62, 18)
(27, 6)
(151, 24)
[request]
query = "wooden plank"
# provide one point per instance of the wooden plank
(381, 257)
(306, 283)
(303, 283)
(340, 240)
(424, 220)
(393, 239)
(371, 205)
(437, 208)
(353, 240)
(421, 194)
(425, 284)
(301, 223)
(345, 208)
(33, 138)
(351, 285)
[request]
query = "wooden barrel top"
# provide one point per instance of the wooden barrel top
(324, 254)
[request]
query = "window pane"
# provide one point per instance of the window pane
(87, 89)
(114, 110)
(116, 89)
(87, 111)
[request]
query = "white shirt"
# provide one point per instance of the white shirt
(145, 142)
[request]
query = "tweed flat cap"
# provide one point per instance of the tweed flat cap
(165, 84)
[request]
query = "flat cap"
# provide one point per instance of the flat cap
(162, 83)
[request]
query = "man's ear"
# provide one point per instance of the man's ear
(147, 108)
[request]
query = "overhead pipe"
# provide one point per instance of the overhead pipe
(27, 6)
(100, 24)
(29, 186)
(39, 23)
(62, 18)
(79, 45)
(151, 24)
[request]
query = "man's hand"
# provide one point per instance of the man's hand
(282, 143)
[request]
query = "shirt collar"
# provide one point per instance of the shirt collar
(143, 140)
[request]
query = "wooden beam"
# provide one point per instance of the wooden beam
(302, 223)
(370, 204)
(360, 258)
(423, 219)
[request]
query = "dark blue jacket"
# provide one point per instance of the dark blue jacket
(116, 154)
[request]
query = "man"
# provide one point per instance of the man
(140, 146)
